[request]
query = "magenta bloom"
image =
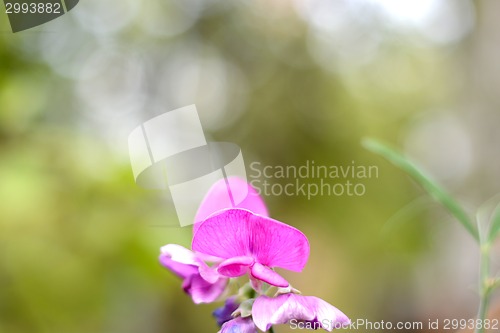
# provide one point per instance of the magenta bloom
(200, 281)
(239, 325)
(267, 311)
(232, 229)
(252, 243)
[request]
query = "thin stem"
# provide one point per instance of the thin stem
(483, 306)
(485, 289)
(271, 330)
(438, 193)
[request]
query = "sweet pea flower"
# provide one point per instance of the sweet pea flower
(200, 281)
(239, 325)
(233, 230)
(251, 243)
(285, 308)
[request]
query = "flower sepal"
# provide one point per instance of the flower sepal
(245, 309)
(287, 290)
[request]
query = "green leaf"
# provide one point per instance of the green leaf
(430, 186)
(495, 225)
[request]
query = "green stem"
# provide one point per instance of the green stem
(485, 289)
(271, 330)
(438, 193)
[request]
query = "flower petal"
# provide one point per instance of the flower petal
(209, 274)
(239, 325)
(181, 270)
(179, 254)
(328, 316)
(235, 267)
(238, 232)
(235, 193)
(202, 291)
(179, 260)
(266, 274)
(267, 311)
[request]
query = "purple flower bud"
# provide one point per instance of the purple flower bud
(224, 313)
(239, 325)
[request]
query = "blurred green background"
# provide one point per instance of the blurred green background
(289, 82)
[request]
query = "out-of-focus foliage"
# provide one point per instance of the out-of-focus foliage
(288, 81)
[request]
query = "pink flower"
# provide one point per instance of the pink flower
(252, 243)
(201, 282)
(267, 311)
(239, 325)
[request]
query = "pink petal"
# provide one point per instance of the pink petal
(184, 263)
(243, 195)
(179, 260)
(209, 274)
(326, 314)
(179, 254)
(267, 311)
(256, 284)
(238, 232)
(268, 275)
(206, 258)
(202, 291)
(181, 270)
(235, 267)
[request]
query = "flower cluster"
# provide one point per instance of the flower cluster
(229, 243)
